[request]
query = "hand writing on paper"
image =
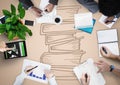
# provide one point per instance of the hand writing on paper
(85, 79)
(48, 74)
(49, 8)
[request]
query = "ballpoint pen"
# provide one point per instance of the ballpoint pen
(31, 69)
(86, 76)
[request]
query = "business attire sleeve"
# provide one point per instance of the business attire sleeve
(19, 79)
(91, 5)
(54, 2)
(52, 81)
(26, 3)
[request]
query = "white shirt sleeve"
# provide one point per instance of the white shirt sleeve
(19, 79)
(52, 81)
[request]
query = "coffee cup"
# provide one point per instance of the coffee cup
(57, 19)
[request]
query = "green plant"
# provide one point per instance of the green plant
(13, 26)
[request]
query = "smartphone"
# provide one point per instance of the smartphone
(29, 22)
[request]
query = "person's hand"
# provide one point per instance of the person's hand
(103, 66)
(36, 11)
(109, 20)
(49, 8)
(48, 74)
(85, 79)
(107, 54)
(3, 46)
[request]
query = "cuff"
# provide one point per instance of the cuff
(52, 81)
(19, 79)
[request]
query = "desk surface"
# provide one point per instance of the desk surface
(58, 45)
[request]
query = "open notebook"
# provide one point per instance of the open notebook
(38, 73)
(109, 39)
(84, 22)
(89, 68)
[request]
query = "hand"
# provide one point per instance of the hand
(108, 54)
(103, 66)
(85, 79)
(109, 20)
(48, 74)
(36, 11)
(3, 46)
(49, 8)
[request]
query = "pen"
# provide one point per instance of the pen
(86, 76)
(104, 50)
(109, 21)
(32, 68)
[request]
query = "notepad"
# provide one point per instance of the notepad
(89, 67)
(109, 39)
(102, 19)
(84, 22)
(38, 73)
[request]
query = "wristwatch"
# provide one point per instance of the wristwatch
(112, 67)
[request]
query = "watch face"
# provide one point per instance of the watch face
(112, 68)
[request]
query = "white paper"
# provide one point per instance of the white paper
(39, 71)
(102, 19)
(89, 68)
(109, 39)
(47, 17)
(113, 47)
(83, 20)
(107, 36)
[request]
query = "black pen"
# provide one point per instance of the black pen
(32, 68)
(104, 50)
(109, 21)
(86, 76)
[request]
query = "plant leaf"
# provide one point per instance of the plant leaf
(8, 20)
(6, 13)
(25, 29)
(11, 35)
(21, 35)
(2, 28)
(14, 19)
(13, 9)
(8, 26)
(21, 11)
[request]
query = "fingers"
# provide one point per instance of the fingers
(48, 73)
(85, 79)
(49, 8)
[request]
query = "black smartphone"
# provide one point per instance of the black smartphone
(29, 22)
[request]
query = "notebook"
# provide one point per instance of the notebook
(109, 39)
(84, 22)
(102, 19)
(38, 73)
(89, 67)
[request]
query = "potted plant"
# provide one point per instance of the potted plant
(13, 26)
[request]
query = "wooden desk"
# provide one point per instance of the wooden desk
(45, 42)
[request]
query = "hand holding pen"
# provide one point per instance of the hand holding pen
(85, 79)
